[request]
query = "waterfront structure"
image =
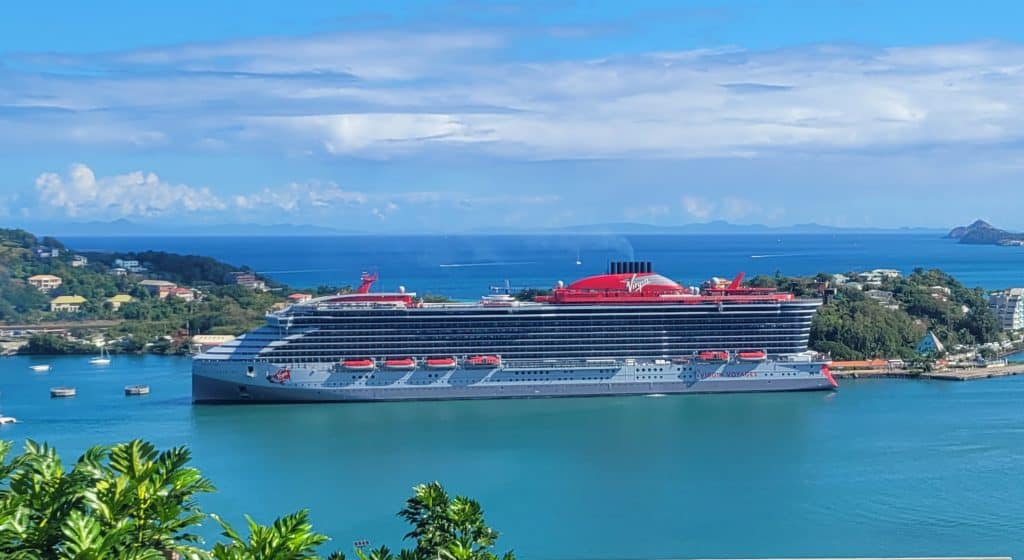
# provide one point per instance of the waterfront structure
(1008, 307)
(79, 261)
(930, 344)
(630, 331)
(45, 282)
(67, 304)
(117, 301)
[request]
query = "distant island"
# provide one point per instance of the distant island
(983, 233)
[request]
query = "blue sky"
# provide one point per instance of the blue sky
(460, 115)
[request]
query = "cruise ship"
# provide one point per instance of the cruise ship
(630, 331)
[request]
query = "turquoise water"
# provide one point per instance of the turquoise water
(881, 467)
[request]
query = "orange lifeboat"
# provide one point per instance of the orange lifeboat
(483, 362)
(361, 364)
(713, 356)
(752, 356)
(400, 363)
(441, 363)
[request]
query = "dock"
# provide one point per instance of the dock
(951, 374)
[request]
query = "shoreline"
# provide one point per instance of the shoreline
(1009, 370)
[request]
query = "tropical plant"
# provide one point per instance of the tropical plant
(288, 538)
(448, 528)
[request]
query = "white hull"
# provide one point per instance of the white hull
(228, 381)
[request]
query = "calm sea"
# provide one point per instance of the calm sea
(465, 266)
(884, 467)
(878, 468)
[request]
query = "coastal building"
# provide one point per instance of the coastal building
(117, 301)
(182, 293)
(840, 279)
(930, 344)
(45, 282)
(248, 279)
(47, 252)
(1008, 307)
(940, 293)
(299, 298)
(853, 285)
(67, 304)
(118, 271)
(881, 296)
(158, 288)
(79, 261)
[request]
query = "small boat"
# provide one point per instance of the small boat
(400, 363)
(752, 356)
(483, 362)
(8, 420)
(364, 364)
(62, 392)
(40, 368)
(713, 356)
(136, 390)
(441, 363)
(102, 360)
(578, 261)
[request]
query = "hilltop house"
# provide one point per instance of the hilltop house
(47, 253)
(249, 280)
(130, 265)
(117, 301)
(79, 261)
(67, 304)
(182, 293)
(45, 282)
(1008, 307)
(158, 288)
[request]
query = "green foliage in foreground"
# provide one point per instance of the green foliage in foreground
(131, 501)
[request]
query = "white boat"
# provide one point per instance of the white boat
(40, 368)
(578, 261)
(8, 420)
(102, 360)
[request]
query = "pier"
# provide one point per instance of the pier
(967, 374)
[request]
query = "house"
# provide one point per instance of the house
(158, 288)
(940, 293)
(67, 304)
(871, 279)
(131, 265)
(47, 253)
(881, 296)
(1008, 307)
(854, 285)
(45, 282)
(887, 272)
(79, 261)
(182, 293)
(249, 280)
(118, 271)
(117, 301)
(840, 279)
(299, 298)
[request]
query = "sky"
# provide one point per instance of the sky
(462, 115)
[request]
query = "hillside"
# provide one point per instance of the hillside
(201, 299)
(983, 233)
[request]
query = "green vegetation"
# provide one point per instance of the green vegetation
(131, 501)
(148, 322)
(853, 326)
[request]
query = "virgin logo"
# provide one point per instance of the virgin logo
(636, 284)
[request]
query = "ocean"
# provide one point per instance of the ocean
(466, 266)
(878, 468)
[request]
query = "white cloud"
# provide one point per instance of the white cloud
(391, 93)
(300, 196)
(81, 194)
(735, 208)
(697, 207)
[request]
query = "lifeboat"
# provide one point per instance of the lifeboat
(752, 356)
(363, 364)
(713, 356)
(483, 362)
(400, 363)
(441, 363)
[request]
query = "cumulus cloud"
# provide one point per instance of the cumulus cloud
(394, 93)
(80, 193)
(697, 207)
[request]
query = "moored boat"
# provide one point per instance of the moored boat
(40, 368)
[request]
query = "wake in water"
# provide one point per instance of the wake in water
(501, 263)
(780, 255)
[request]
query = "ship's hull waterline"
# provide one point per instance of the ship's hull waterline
(227, 382)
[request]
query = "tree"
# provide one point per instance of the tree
(288, 538)
(444, 527)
